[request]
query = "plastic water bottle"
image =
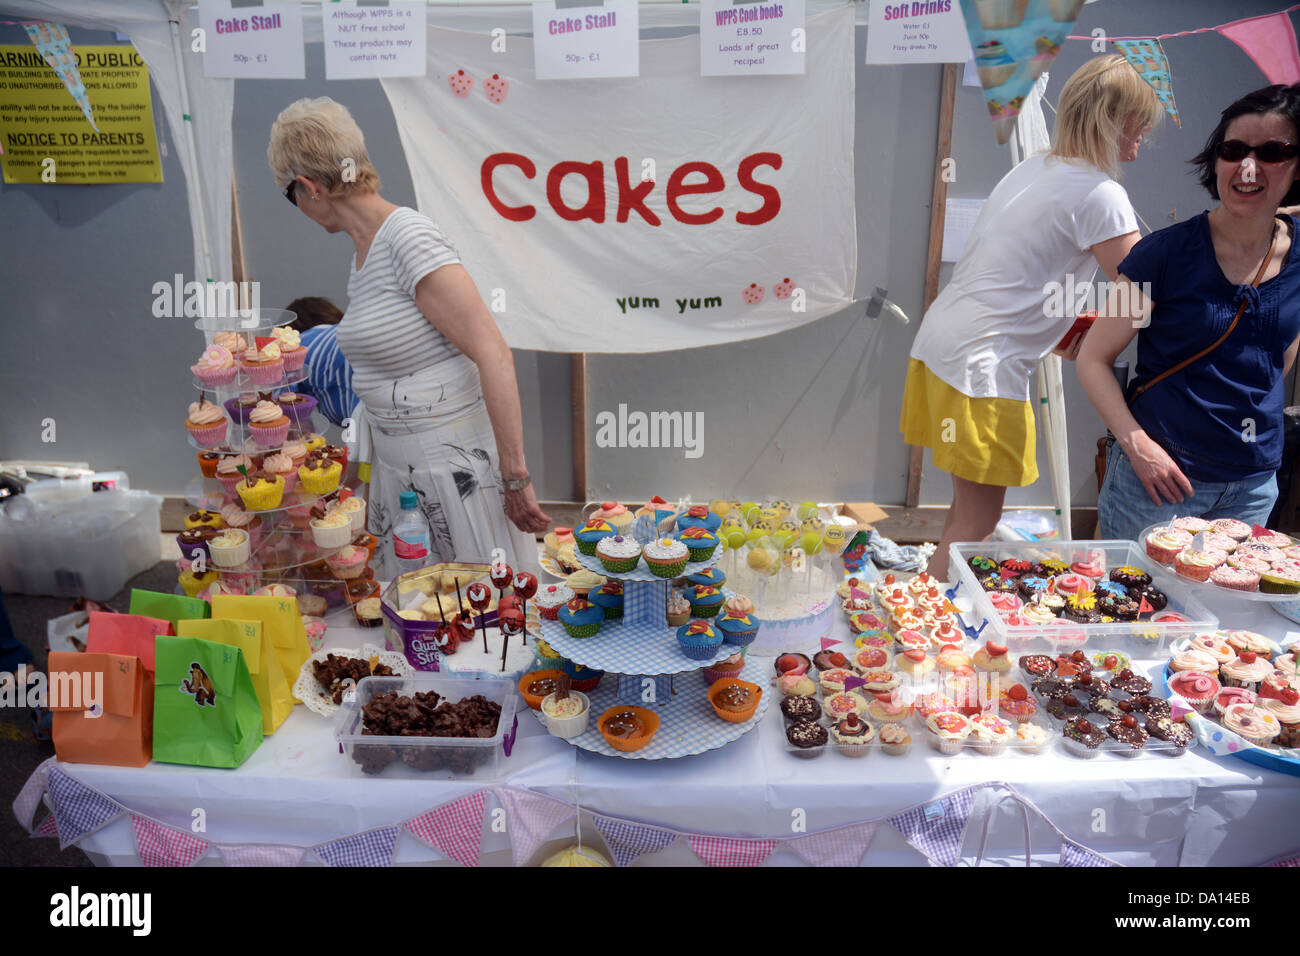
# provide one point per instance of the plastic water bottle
(411, 535)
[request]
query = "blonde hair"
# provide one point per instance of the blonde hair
(319, 139)
(1096, 103)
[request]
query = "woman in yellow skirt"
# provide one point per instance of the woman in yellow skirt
(1055, 215)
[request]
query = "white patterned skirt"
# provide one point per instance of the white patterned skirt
(430, 434)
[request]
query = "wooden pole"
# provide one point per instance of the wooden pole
(578, 393)
(934, 251)
(236, 237)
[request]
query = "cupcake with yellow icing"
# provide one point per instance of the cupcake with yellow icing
(292, 351)
(264, 365)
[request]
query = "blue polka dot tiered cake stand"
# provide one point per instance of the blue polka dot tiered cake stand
(640, 652)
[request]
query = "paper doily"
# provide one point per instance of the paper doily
(308, 690)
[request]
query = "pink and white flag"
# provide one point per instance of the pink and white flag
(840, 847)
(260, 854)
(728, 851)
(454, 828)
(159, 845)
(530, 819)
(1270, 42)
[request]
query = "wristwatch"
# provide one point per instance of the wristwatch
(518, 484)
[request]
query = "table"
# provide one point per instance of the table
(297, 789)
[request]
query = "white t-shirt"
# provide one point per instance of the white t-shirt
(989, 327)
(383, 333)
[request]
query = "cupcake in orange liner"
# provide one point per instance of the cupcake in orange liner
(536, 686)
(367, 541)
(206, 423)
(263, 364)
(320, 476)
(208, 461)
(734, 700)
(261, 491)
(361, 589)
(627, 728)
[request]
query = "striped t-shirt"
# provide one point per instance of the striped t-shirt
(383, 333)
(329, 377)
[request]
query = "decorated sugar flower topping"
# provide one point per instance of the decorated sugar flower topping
(698, 511)
(705, 590)
(698, 627)
(577, 604)
(696, 533)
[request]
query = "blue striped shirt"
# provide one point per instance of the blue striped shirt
(329, 376)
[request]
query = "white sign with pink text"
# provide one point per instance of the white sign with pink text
(252, 43)
(586, 42)
(669, 211)
(752, 37)
(920, 31)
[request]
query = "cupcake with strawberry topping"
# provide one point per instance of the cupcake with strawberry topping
(992, 657)
(1015, 703)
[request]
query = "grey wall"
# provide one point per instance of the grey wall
(809, 413)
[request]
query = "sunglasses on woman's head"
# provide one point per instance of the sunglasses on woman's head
(289, 193)
(1274, 151)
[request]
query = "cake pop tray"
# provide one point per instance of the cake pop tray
(407, 635)
(1147, 638)
(1217, 738)
(641, 573)
(627, 647)
(1167, 572)
(688, 724)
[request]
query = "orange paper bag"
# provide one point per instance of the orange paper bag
(103, 709)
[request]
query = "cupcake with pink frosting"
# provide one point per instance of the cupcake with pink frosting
(206, 423)
(264, 365)
(268, 424)
(614, 513)
(216, 366)
(282, 465)
(292, 351)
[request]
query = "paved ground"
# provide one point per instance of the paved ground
(20, 753)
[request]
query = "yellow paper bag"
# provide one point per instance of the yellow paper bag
(281, 623)
(273, 694)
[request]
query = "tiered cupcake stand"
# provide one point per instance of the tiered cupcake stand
(283, 551)
(640, 655)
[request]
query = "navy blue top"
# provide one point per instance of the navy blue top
(329, 376)
(1202, 415)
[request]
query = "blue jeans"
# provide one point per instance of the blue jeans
(1124, 508)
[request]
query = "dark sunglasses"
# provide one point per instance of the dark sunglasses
(1274, 151)
(289, 193)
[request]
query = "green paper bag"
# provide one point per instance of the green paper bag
(205, 706)
(273, 694)
(168, 607)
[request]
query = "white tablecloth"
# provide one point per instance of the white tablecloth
(1152, 810)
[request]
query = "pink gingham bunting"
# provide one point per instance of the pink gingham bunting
(840, 847)
(159, 845)
(530, 819)
(725, 851)
(260, 854)
(48, 827)
(454, 828)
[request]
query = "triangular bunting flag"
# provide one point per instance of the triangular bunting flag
(726, 851)
(454, 828)
(79, 809)
(1292, 859)
(627, 841)
(1270, 42)
(372, 848)
(841, 847)
(938, 828)
(29, 798)
(159, 845)
(51, 41)
(48, 827)
(1072, 854)
(260, 854)
(1148, 58)
(530, 819)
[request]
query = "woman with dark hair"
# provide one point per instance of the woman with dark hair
(329, 376)
(1215, 305)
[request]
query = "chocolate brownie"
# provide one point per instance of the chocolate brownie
(807, 735)
(1130, 576)
(1163, 728)
(1127, 730)
(798, 707)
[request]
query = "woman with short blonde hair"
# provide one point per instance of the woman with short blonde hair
(431, 368)
(1054, 215)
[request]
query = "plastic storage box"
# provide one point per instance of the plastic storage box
(88, 546)
(1143, 638)
(425, 756)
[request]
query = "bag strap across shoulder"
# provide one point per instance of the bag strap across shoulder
(1241, 310)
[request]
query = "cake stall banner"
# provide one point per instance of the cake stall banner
(1148, 58)
(648, 214)
(1015, 42)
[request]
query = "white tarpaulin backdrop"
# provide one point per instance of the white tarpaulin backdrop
(752, 186)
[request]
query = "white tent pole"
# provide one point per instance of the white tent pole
(191, 181)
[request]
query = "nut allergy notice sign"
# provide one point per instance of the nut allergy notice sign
(46, 137)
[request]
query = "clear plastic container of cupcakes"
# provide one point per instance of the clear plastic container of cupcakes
(1069, 595)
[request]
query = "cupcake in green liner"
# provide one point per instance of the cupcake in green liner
(618, 554)
(700, 542)
(1280, 580)
(609, 598)
(666, 557)
(581, 618)
(704, 600)
(589, 535)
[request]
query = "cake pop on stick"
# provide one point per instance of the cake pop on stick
(501, 576)
(525, 585)
(446, 628)
(511, 622)
(479, 598)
